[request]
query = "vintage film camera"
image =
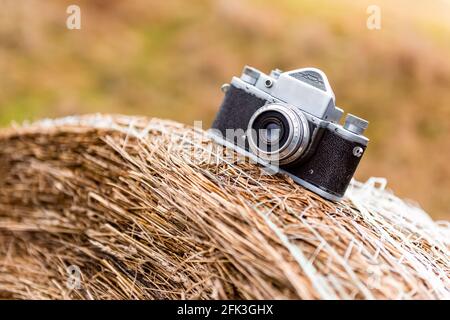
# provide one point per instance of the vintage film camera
(290, 120)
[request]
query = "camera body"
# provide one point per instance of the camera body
(289, 120)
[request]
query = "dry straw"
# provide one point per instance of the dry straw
(114, 207)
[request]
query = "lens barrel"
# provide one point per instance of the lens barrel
(278, 133)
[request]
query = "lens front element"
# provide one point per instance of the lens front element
(272, 132)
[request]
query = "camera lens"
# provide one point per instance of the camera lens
(271, 128)
(278, 132)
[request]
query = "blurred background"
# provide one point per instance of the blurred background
(169, 58)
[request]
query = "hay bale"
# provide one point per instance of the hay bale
(148, 209)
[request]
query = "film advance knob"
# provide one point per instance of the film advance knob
(355, 124)
(250, 75)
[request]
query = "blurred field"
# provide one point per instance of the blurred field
(168, 59)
